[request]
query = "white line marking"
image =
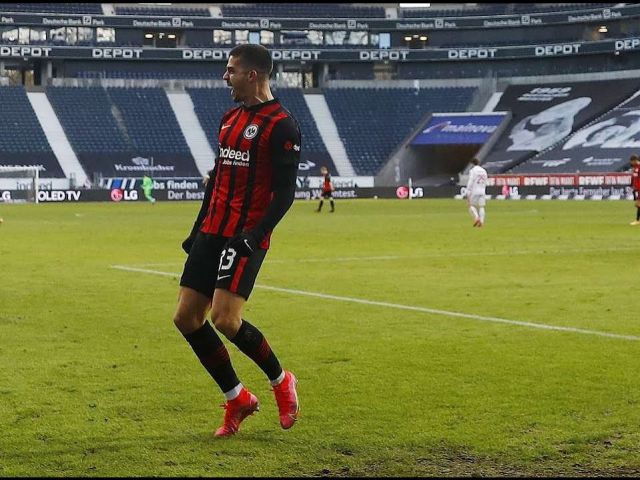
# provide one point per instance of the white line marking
(165, 264)
(144, 270)
(433, 311)
(460, 254)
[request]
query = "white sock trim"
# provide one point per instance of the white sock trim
(278, 380)
(234, 392)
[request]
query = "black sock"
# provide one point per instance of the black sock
(638, 214)
(320, 206)
(332, 205)
(214, 356)
(253, 344)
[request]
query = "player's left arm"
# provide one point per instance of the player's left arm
(285, 155)
(470, 183)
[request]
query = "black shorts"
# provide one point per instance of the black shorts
(636, 195)
(210, 266)
(327, 194)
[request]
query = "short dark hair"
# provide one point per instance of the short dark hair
(634, 157)
(475, 161)
(255, 57)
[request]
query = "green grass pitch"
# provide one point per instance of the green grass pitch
(512, 349)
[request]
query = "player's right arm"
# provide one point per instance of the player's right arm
(202, 213)
(208, 193)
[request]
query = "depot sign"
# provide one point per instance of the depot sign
(384, 54)
(6, 51)
(553, 50)
(116, 53)
(469, 53)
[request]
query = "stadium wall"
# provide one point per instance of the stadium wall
(516, 188)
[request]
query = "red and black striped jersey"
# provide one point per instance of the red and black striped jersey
(253, 142)
(635, 178)
(326, 184)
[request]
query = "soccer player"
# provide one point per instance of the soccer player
(251, 188)
(327, 189)
(147, 188)
(476, 194)
(635, 184)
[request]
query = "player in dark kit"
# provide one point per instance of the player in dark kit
(635, 184)
(327, 189)
(251, 187)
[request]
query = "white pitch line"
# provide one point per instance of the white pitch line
(459, 254)
(164, 264)
(144, 270)
(426, 255)
(433, 311)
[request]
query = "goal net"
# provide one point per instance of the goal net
(19, 184)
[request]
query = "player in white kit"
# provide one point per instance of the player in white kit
(476, 193)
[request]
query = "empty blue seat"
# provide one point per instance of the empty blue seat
(372, 122)
(20, 129)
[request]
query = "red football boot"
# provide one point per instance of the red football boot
(287, 400)
(236, 410)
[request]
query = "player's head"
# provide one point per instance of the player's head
(323, 170)
(474, 161)
(248, 68)
(634, 159)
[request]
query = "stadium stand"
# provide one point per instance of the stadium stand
(71, 8)
(157, 75)
(505, 42)
(528, 142)
(20, 130)
(603, 145)
(211, 103)
(371, 122)
(491, 9)
(114, 125)
(163, 11)
(524, 8)
(352, 71)
(85, 115)
(302, 10)
(150, 121)
(516, 67)
(314, 149)
(397, 111)
(22, 140)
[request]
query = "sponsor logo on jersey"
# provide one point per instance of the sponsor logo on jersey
(289, 145)
(232, 154)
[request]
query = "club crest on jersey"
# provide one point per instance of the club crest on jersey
(250, 132)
